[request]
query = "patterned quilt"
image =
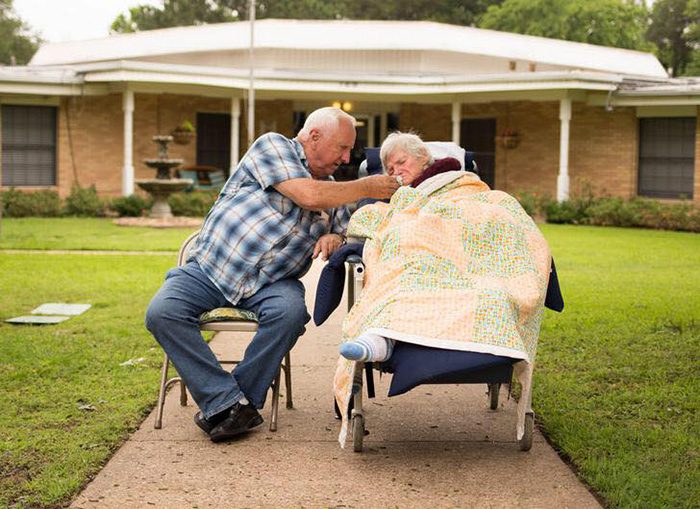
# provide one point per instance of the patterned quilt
(450, 264)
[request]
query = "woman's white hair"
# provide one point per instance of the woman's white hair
(409, 143)
(325, 119)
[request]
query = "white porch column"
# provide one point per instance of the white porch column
(456, 121)
(128, 171)
(563, 178)
(235, 133)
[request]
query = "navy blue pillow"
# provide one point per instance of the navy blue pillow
(554, 299)
(329, 291)
(414, 365)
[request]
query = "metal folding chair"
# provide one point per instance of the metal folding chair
(221, 326)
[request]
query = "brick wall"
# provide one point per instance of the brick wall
(93, 146)
(432, 122)
(604, 149)
(90, 134)
(603, 145)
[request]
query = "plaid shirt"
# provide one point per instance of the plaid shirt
(254, 235)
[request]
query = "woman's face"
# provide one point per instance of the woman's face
(407, 166)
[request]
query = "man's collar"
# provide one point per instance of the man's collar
(300, 152)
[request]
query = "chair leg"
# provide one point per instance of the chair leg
(183, 393)
(161, 393)
(288, 379)
(275, 401)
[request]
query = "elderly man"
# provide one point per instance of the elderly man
(278, 210)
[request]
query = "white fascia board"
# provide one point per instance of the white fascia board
(676, 100)
(193, 70)
(662, 91)
(639, 100)
(39, 89)
(343, 87)
(285, 80)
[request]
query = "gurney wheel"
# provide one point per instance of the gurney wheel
(494, 390)
(525, 443)
(358, 432)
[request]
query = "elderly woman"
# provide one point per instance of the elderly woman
(450, 264)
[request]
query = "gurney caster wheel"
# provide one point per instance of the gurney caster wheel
(494, 390)
(358, 432)
(525, 443)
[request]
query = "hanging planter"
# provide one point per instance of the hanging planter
(183, 133)
(510, 139)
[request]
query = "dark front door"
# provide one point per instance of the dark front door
(478, 135)
(214, 140)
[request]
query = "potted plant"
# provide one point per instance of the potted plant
(510, 138)
(183, 133)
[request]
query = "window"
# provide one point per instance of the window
(28, 145)
(666, 157)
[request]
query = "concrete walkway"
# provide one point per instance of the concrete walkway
(437, 446)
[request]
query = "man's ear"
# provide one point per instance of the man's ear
(315, 135)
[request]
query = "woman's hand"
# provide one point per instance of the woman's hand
(327, 245)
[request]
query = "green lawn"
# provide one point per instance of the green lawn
(87, 233)
(616, 388)
(49, 446)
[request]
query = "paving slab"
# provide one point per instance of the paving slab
(437, 445)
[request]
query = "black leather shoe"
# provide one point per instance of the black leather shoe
(241, 419)
(207, 425)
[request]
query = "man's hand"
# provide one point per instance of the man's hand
(380, 186)
(327, 245)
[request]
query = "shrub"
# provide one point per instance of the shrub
(130, 206)
(531, 202)
(194, 204)
(561, 212)
(25, 204)
(84, 202)
(615, 212)
(677, 216)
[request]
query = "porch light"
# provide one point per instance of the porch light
(345, 105)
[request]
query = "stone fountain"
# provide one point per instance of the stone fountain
(162, 186)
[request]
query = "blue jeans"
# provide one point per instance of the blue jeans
(173, 319)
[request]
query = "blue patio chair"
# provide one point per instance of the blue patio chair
(190, 175)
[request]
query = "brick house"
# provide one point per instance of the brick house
(539, 113)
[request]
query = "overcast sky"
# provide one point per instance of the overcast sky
(73, 20)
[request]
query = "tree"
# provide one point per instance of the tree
(670, 31)
(196, 12)
(17, 43)
(174, 13)
(455, 12)
(693, 10)
(617, 23)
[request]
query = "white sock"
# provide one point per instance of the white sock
(243, 401)
(368, 348)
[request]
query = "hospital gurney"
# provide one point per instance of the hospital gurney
(414, 365)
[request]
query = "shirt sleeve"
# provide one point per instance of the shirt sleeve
(273, 159)
(340, 219)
